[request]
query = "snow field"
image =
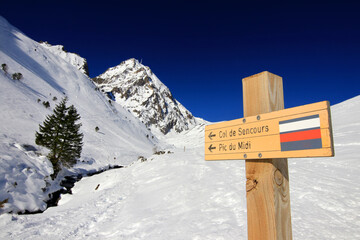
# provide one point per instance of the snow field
(171, 196)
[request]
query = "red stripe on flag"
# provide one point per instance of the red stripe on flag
(301, 135)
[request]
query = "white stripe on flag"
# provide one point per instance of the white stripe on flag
(300, 125)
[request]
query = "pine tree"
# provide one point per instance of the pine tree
(61, 135)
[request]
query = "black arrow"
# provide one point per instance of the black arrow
(211, 135)
(211, 148)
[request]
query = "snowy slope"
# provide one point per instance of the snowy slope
(324, 191)
(178, 195)
(48, 77)
(137, 88)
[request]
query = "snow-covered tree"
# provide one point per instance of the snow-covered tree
(17, 76)
(61, 135)
(4, 67)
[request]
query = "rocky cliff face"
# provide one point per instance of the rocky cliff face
(135, 87)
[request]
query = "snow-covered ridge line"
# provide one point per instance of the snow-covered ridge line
(72, 58)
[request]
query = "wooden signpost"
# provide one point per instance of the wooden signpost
(265, 138)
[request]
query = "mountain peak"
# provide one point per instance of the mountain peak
(137, 88)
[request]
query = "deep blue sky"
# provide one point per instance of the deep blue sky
(202, 49)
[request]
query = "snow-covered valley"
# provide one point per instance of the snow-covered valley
(175, 195)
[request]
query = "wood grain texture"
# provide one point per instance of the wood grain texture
(268, 197)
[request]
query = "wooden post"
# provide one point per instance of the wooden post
(267, 185)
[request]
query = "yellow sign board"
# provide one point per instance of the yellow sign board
(303, 131)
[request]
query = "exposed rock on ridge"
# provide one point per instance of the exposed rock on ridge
(136, 88)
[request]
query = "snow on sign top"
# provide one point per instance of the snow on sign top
(303, 131)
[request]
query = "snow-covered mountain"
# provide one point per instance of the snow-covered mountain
(72, 58)
(136, 87)
(47, 75)
(176, 195)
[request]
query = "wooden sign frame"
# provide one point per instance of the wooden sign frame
(297, 132)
